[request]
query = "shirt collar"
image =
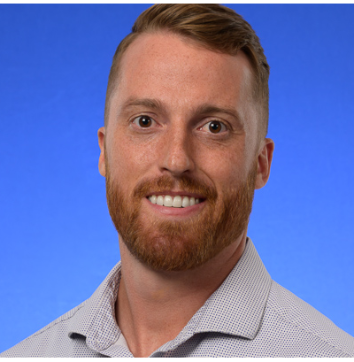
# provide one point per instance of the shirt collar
(96, 319)
(235, 308)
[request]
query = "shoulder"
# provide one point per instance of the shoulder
(66, 336)
(51, 341)
(302, 327)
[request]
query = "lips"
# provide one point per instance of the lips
(173, 201)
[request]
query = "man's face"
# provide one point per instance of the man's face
(180, 151)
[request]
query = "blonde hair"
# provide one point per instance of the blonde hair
(215, 27)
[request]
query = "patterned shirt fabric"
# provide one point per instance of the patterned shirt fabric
(249, 315)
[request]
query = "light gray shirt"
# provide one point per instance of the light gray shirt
(249, 315)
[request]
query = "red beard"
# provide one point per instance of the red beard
(180, 245)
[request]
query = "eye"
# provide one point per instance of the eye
(143, 121)
(214, 127)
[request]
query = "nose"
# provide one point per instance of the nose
(177, 152)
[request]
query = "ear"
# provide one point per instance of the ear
(102, 160)
(264, 161)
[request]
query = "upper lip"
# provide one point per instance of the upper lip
(175, 193)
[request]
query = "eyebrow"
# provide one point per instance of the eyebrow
(207, 109)
(145, 102)
(203, 109)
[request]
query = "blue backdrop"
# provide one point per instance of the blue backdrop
(57, 239)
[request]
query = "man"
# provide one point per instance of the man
(183, 148)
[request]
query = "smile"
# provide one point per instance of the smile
(173, 201)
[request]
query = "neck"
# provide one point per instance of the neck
(154, 306)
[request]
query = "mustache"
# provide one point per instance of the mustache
(166, 183)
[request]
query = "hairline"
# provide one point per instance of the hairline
(117, 61)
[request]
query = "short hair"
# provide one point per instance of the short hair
(215, 27)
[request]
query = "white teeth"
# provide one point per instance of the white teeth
(185, 201)
(153, 199)
(167, 201)
(177, 201)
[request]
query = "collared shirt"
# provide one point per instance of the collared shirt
(249, 315)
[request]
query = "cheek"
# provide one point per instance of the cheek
(128, 160)
(225, 166)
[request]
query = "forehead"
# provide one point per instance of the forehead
(182, 76)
